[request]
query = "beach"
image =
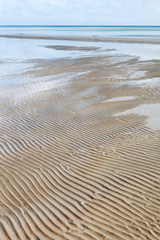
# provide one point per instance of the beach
(80, 144)
(93, 38)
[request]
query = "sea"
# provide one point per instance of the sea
(17, 55)
(110, 31)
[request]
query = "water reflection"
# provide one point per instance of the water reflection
(19, 54)
(151, 111)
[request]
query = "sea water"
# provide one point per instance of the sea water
(17, 55)
(105, 31)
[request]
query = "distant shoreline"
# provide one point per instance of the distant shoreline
(93, 38)
(109, 26)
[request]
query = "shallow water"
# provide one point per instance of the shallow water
(19, 55)
(117, 99)
(118, 31)
(151, 111)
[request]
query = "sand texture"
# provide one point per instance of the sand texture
(79, 153)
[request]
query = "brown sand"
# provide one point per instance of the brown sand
(87, 39)
(71, 48)
(73, 164)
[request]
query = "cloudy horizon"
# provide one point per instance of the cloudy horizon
(84, 12)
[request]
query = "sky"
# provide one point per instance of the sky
(80, 12)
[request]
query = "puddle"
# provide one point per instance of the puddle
(153, 82)
(117, 99)
(150, 82)
(138, 74)
(151, 111)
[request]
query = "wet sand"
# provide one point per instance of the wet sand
(93, 38)
(71, 48)
(78, 157)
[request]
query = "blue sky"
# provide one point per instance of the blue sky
(105, 12)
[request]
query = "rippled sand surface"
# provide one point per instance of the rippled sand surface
(75, 161)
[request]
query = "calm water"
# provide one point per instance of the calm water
(85, 31)
(16, 55)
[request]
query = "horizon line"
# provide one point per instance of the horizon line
(78, 25)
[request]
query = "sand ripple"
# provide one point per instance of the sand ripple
(70, 167)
